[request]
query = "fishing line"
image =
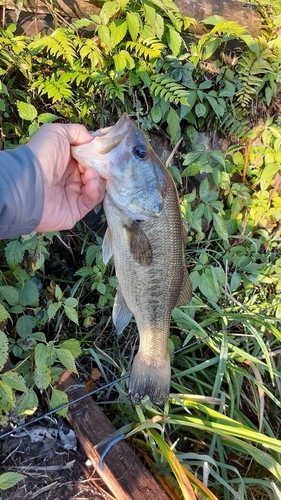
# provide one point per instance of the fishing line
(95, 391)
(65, 405)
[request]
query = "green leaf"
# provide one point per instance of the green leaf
(26, 111)
(130, 63)
(3, 313)
(173, 125)
(27, 403)
(4, 348)
(134, 23)
(38, 336)
(236, 206)
(104, 34)
(58, 293)
(47, 118)
(29, 294)
(109, 9)
(66, 358)
(204, 188)
(32, 129)
(9, 479)
(41, 354)
(53, 309)
(7, 397)
(156, 113)
(120, 62)
(235, 281)
(191, 96)
(73, 346)
(9, 294)
(210, 48)
(220, 226)
(200, 109)
(25, 325)
(15, 381)
(14, 253)
(71, 302)
(149, 12)
(174, 40)
(175, 173)
(42, 375)
(71, 314)
(213, 20)
(207, 286)
(267, 175)
(207, 84)
(118, 30)
(159, 26)
(101, 287)
(218, 156)
(203, 258)
(195, 279)
(191, 157)
(59, 398)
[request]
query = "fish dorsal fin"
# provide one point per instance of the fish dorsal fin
(139, 243)
(186, 290)
(107, 250)
(121, 314)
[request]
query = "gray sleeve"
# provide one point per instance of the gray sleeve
(21, 192)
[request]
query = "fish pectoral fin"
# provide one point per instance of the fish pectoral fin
(121, 314)
(139, 243)
(186, 291)
(107, 250)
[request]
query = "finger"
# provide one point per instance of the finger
(77, 134)
(92, 194)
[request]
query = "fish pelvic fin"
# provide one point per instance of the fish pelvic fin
(107, 250)
(121, 314)
(148, 378)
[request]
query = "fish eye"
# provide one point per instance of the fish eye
(140, 150)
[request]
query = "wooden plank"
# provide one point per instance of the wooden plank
(123, 472)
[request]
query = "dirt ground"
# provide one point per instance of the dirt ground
(54, 464)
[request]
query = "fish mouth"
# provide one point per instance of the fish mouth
(114, 135)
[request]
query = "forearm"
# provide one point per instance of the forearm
(21, 192)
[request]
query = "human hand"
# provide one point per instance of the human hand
(70, 190)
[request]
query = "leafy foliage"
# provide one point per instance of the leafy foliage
(136, 60)
(9, 479)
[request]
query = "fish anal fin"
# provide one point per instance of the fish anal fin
(121, 314)
(186, 290)
(139, 243)
(107, 250)
(148, 378)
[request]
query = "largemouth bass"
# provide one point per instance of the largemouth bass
(146, 237)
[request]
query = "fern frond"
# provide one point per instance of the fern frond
(150, 48)
(58, 44)
(252, 68)
(169, 89)
(88, 49)
(55, 89)
(234, 122)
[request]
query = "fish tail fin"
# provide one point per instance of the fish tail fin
(148, 378)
